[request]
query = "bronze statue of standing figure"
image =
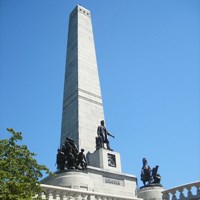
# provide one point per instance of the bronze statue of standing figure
(81, 160)
(102, 137)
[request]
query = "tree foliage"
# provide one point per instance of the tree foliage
(19, 171)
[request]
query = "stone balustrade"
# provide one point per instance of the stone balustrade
(61, 193)
(189, 191)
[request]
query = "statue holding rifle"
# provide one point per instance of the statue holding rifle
(102, 138)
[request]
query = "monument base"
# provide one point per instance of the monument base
(96, 180)
(102, 177)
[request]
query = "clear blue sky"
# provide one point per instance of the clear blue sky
(148, 54)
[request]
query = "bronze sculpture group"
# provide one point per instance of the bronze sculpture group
(69, 157)
(149, 176)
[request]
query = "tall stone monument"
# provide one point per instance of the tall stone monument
(82, 102)
(82, 113)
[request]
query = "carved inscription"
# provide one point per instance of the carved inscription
(113, 181)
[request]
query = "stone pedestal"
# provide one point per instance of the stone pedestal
(152, 192)
(105, 159)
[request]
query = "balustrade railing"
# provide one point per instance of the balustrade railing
(189, 191)
(60, 193)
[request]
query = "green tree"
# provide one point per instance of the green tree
(19, 171)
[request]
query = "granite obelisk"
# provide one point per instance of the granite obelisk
(82, 102)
